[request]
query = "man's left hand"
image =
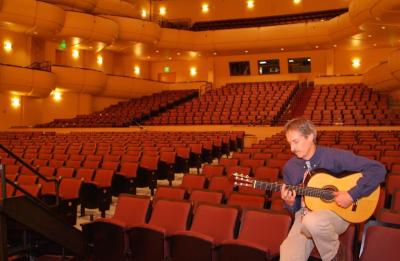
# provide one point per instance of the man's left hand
(343, 198)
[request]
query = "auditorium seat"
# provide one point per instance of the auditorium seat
(191, 182)
(108, 235)
(199, 196)
(166, 192)
(245, 200)
(260, 236)
(149, 241)
(381, 243)
(212, 224)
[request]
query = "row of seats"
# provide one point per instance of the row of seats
(168, 233)
(169, 229)
(231, 104)
(349, 104)
(124, 114)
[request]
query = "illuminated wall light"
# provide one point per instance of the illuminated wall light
(16, 102)
(136, 70)
(75, 54)
(296, 2)
(57, 96)
(204, 8)
(163, 10)
(356, 63)
(250, 4)
(7, 46)
(99, 59)
(144, 13)
(193, 71)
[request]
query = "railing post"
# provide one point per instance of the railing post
(3, 182)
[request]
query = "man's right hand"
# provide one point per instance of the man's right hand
(289, 196)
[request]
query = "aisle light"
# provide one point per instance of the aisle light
(7, 46)
(16, 102)
(250, 4)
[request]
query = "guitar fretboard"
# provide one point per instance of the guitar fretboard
(300, 190)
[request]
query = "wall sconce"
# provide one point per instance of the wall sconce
(136, 70)
(163, 11)
(7, 46)
(356, 63)
(57, 96)
(204, 8)
(193, 71)
(75, 54)
(144, 13)
(250, 4)
(16, 102)
(99, 59)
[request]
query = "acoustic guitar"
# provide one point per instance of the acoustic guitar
(318, 194)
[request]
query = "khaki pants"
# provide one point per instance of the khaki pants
(321, 227)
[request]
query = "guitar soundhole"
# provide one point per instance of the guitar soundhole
(327, 195)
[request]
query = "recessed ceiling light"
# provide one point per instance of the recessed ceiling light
(316, 46)
(215, 53)
(335, 45)
(245, 51)
(148, 57)
(157, 51)
(383, 27)
(370, 35)
(282, 49)
(170, 58)
(374, 44)
(178, 53)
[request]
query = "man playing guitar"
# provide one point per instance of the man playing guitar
(320, 227)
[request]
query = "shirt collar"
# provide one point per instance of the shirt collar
(315, 158)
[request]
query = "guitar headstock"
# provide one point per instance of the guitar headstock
(243, 180)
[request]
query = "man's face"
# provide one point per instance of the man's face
(301, 146)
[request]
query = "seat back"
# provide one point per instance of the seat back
(213, 170)
(170, 214)
(381, 243)
(164, 192)
(216, 221)
(246, 200)
(132, 210)
(265, 228)
(191, 182)
(69, 188)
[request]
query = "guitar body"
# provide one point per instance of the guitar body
(356, 213)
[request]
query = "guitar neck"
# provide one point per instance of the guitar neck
(300, 190)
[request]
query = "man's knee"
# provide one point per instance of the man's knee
(313, 223)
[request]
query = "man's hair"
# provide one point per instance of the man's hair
(304, 126)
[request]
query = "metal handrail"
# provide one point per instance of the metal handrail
(33, 170)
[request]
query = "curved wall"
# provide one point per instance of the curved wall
(89, 27)
(26, 81)
(32, 17)
(102, 29)
(79, 80)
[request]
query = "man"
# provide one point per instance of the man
(323, 227)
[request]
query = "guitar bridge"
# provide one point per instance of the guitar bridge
(354, 207)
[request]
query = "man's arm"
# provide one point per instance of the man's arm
(373, 173)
